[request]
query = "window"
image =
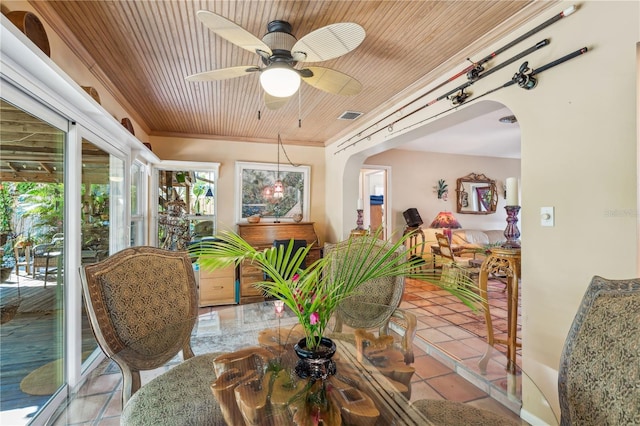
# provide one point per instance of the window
(186, 208)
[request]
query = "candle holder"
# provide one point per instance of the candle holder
(360, 220)
(359, 229)
(511, 232)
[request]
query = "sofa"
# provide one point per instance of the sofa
(473, 238)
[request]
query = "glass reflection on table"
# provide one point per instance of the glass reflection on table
(370, 370)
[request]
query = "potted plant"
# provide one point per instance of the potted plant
(6, 213)
(8, 261)
(310, 293)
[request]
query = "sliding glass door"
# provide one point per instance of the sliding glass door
(63, 203)
(32, 233)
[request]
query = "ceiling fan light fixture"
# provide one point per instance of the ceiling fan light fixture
(509, 119)
(280, 80)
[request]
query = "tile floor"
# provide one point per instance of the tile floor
(449, 345)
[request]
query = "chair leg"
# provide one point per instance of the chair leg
(130, 383)
(46, 272)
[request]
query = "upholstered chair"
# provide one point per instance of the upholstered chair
(599, 376)
(142, 306)
(357, 311)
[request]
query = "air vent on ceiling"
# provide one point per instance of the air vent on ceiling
(350, 115)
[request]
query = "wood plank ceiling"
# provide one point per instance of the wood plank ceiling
(143, 50)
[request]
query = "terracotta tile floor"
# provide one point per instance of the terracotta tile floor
(449, 344)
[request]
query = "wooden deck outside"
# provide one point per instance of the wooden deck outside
(29, 339)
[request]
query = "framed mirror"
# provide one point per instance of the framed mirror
(476, 194)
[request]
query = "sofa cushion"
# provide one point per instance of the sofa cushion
(477, 238)
(495, 236)
(469, 236)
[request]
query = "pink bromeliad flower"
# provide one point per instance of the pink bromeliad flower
(314, 318)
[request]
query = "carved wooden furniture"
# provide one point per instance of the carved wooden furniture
(372, 386)
(504, 262)
(261, 236)
(446, 251)
(599, 374)
(141, 304)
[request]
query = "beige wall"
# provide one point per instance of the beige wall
(578, 155)
(227, 153)
(415, 175)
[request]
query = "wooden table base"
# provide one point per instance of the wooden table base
(256, 386)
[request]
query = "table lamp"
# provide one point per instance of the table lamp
(446, 221)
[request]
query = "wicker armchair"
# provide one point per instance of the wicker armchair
(142, 307)
(599, 376)
(356, 311)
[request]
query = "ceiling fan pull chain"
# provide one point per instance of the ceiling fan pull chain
(299, 109)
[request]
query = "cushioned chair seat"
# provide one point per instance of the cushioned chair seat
(181, 396)
(450, 413)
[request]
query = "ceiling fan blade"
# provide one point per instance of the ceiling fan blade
(273, 103)
(223, 73)
(329, 42)
(333, 81)
(232, 32)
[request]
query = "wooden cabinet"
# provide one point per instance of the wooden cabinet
(261, 236)
(217, 287)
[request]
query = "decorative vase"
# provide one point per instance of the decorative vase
(316, 363)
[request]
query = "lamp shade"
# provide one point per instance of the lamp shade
(445, 220)
(280, 80)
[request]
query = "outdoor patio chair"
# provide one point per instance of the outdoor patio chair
(22, 257)
(46, 256)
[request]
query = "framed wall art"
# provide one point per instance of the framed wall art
(275, 192)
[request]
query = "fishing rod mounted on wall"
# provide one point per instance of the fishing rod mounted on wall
(473, 72)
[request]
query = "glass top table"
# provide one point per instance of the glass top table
(250, 375)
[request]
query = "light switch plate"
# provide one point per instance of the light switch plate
(546, 216)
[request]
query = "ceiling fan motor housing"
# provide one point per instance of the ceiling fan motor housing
(280, 41)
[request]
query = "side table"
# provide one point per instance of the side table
(506, 262)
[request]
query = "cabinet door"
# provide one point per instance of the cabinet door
(217, 287)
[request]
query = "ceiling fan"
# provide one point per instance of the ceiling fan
(281, 53)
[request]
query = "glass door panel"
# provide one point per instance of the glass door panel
(101, 187)
(32, 291)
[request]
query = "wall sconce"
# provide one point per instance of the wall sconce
(443, 190)
(503, 189)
